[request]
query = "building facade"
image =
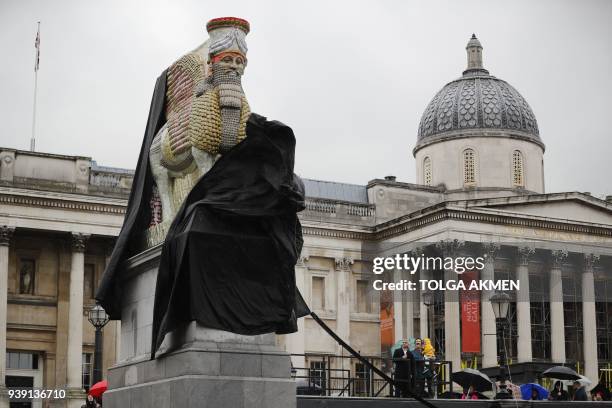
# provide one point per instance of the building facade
(58, 219)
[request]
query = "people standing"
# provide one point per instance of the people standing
(558, 393)
(579, 392)
(419, 360)
(403, 360)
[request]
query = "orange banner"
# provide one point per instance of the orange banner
(387, 335)
(470, 315)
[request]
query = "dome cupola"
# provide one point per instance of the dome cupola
(477, 103)
(479, 133)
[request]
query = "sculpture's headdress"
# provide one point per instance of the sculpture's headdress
(227, 34)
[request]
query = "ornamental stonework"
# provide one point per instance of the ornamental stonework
(558, 257)
(524, 254)
(343, 264)
(79, 242)
(6, 233)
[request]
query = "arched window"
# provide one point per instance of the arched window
(518, 178)
(427, 176)
(469, 167)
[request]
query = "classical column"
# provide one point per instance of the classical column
(409, 309)
(423, 316)
(6, 234)
(452, 343)
(399, 314)
(75, 320)
(343, 299)
(589, 322)
(557, 322)
(487, 317)
(296, 342)
(523, 313)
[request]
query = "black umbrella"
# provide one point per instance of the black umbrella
(561, 373)
(469, 376)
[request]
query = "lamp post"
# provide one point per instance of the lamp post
(428, 300)
(501, 303)
(98, 318)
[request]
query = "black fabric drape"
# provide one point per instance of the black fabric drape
(229, 256)
(137, 215)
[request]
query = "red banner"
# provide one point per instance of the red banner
(470, 315)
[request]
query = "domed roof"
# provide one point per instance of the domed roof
(477, 104)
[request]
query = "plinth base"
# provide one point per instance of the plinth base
(212, 369)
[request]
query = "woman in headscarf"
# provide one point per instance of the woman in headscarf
(558, 393)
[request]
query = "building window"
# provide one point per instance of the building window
(427, 176)
(362, 380)
(363, 302)
(87, 369)
(318, 293)
(317, 374)
(89, 281)
(21, 361)
(518, 179)
(572, 315)
(540, 314)
(27, 268)
(469, 167)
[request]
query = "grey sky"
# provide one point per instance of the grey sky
(352, 78)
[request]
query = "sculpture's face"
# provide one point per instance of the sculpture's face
(230, 62)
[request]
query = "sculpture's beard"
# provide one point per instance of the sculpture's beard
(228, 83)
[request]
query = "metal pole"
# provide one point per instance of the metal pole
(502, 352)
(33, 140)
(97, 369)
(428, 321)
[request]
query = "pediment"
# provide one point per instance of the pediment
(574, 209)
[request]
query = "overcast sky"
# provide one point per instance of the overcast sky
(351, 78)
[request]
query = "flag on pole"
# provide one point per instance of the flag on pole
(37, 46)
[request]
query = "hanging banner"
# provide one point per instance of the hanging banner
(470, 315)
(387, 327)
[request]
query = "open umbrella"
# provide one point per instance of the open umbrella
(561, 373)
(394, 347)
(98, 389)
(513, 389)
(469, 376)
(527, 389)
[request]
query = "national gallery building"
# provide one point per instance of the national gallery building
(479, 192)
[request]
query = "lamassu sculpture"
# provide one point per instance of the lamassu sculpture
(229, 201)
(206, 110)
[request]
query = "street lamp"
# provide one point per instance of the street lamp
(98, 318)
(428, 299)
(501, 303)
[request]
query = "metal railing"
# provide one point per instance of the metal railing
(345, 376)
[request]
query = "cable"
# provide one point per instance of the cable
(363, 360)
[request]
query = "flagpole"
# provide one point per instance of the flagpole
(37, 45)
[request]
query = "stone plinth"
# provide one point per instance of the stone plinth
(195, 366)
